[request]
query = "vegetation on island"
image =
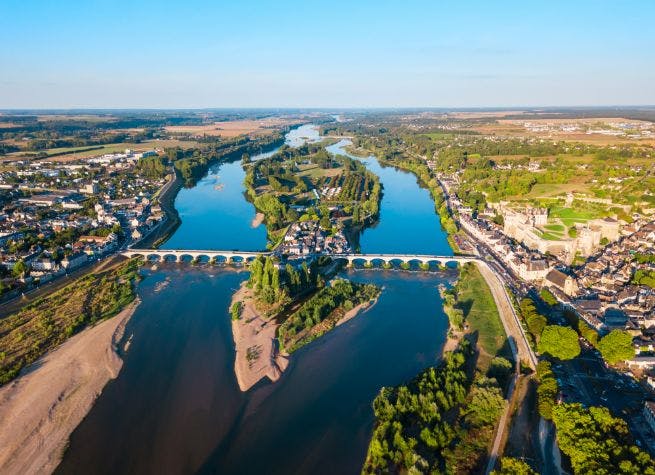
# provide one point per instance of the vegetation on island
(47, 322)
(278, 290)
(275, 288)
(320, 313)
(307, 183)
(598, 443)
(192, 163)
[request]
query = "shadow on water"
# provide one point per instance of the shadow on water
(176, 408)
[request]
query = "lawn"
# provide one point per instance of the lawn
(474, 297)
(570, 216)
(557, 228)
(552, 236)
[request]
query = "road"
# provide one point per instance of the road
(518, 343)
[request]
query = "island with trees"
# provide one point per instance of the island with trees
(333, 195)
(280, 309)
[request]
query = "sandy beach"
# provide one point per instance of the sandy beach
(257, 220)
(41, 408)
(256, 350)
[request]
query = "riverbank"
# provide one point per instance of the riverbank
(257, 356)
(172, 217)
(41, 408)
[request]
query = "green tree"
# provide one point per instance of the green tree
(20, 269)
(559, 342)
(598, 443)
(512, 466)
(617, 346)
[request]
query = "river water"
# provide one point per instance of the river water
(176, 407)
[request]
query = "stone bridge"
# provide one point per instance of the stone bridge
(403, 258)
(180, 255)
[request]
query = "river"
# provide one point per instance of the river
(176, 407)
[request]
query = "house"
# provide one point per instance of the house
(561, 281)
(533, 269)
(74, 260)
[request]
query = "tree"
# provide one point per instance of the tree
(548, 297)
(20, 269)
(598, 443)
(547, 389)
(486, 403)
(617, 346)
(559, 342)
(512, 466)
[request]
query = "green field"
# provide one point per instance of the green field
(481, 313)
(569, 216)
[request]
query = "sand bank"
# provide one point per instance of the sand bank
(254, 335)
(41, 408)
(257, 220)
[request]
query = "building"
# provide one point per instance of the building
(74, 260)
(533, 270)
(561, 281)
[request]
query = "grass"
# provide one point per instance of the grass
(570, 216)
(558, 228)
(552, 236)
(481, 313)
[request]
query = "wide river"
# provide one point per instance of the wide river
(176, 406)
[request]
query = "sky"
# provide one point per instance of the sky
(241, 53)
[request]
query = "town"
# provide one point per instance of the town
(58, 217)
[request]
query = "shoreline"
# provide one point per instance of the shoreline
(361, 308)
(43, 406)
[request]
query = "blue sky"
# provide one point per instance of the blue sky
(133, 54)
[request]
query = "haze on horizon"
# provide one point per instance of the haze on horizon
(200, 54)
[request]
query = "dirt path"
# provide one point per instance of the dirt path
(40, 409)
